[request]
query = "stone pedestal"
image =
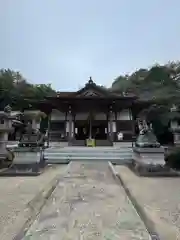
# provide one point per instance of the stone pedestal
(26, 162)
(146, 156)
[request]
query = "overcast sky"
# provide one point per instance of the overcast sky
(63, 42)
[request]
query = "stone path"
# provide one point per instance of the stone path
(159, 198)
(88, 204)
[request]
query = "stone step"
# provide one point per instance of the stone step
(88, 150)
(109, 158)
(123, 156)
(67, 154)
(85, 155)
(96, 153)
(118, 161)
(119, 155)
(50, 156)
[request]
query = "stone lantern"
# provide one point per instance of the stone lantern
(6, 156)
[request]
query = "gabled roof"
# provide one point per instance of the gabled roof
(91, 90)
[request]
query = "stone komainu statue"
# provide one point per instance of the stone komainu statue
(146, 136)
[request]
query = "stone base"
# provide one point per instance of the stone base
(26, 163)
(153, 156)
(149, 162)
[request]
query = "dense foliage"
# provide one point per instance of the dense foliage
(161, 83)
(14, 89)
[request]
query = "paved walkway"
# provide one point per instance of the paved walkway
(88, 204)
(159, 198)
(16, 193)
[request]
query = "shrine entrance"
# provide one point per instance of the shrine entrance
(95, 129)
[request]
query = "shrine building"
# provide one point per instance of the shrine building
(93, 112)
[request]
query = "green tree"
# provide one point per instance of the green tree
(159, 82)
(14, 89)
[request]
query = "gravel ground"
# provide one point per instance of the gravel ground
(159, 198)
(88, 204)
(17, 192)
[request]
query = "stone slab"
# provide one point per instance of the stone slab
(88, 204)
(158, 199)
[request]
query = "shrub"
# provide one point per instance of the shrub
(173, 159)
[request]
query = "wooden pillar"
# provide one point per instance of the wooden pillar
(70, 120)
(111, 135)
(48, 129)
(65, 126)
(131, 118)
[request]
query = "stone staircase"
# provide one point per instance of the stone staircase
(56, 155)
